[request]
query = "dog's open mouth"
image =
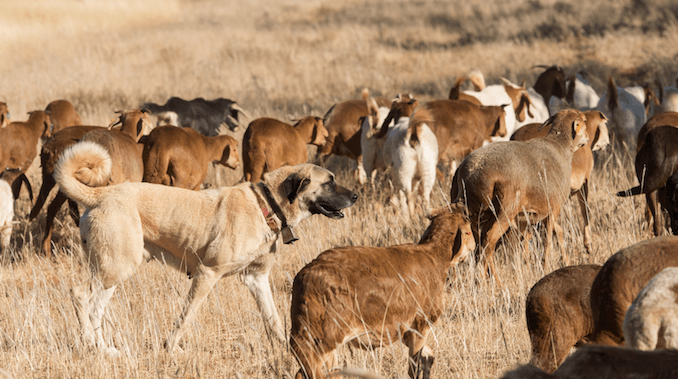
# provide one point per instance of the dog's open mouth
(327, 210)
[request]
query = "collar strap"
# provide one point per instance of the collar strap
(287, 233)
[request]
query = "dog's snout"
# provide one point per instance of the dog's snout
(354, 197)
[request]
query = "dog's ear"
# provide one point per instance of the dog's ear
(293, 186)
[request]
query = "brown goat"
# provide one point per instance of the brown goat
(652, 211)
(582, 159)
(19, 140)
(179, 157)
(331, 304)
(132, 122)
(63, 115)
(269, 144)
(532, 179)
(606, 362)
(4, 115)
(558, 313)
(620, 280)
(660, 119)
(462, 127)
(549, 83)
(343, 124)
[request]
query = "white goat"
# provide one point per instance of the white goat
(370, 145)
(412, 149)
(652, 320)
(6, 214)
(625, 112)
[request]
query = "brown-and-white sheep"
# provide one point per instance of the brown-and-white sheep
(530, 180)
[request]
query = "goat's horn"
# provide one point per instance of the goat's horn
(506, 81)
(398, 97)
(237, 107)
(115, 122)
(233, 120)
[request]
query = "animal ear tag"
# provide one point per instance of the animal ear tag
(288, 235)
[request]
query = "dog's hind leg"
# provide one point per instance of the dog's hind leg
(205, 278)
(256, 280)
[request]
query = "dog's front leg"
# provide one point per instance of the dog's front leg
(205, 278)
(256, 280)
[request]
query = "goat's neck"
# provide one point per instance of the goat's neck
(129, 127)
(36, 125)
(562, 138)
(441, 243)
(305, 130)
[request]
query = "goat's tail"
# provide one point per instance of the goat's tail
(81, 169)
(420, 118)
(630, 192)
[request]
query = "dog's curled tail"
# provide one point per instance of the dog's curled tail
(81, 169)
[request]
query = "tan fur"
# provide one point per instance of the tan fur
(19, 141)
(208, 234)
(269, 144)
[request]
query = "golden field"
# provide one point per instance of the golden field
(296, 58)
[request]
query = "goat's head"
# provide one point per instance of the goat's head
(453, 225)
(316, 128)
(230, 157)
(402, 106)
(42, 118)
(570, 122)
(596, 127)
(4, 115)
(551, 82)
(135, 122)
(520, 99)
(500, 124)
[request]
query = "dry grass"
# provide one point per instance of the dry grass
(297, 58)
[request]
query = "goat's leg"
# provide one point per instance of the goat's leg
(47, 184)
(81, 297)
(257, 282)
(582, 196)
(52, 210)
(74, 212)
(653, 203)
(421, 356)
(499, 226)
(205, 278)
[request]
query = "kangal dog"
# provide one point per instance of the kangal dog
(208, 234)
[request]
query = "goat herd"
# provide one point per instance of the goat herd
(553, 126)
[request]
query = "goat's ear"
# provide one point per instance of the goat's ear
(523, 83)
(294, 185)
(436, 212)
(144, 110)
(140, 127)
(114, 122)
(397, 99)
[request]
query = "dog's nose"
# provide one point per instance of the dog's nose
(354, 197)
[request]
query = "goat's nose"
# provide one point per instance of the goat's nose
(354, 197)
